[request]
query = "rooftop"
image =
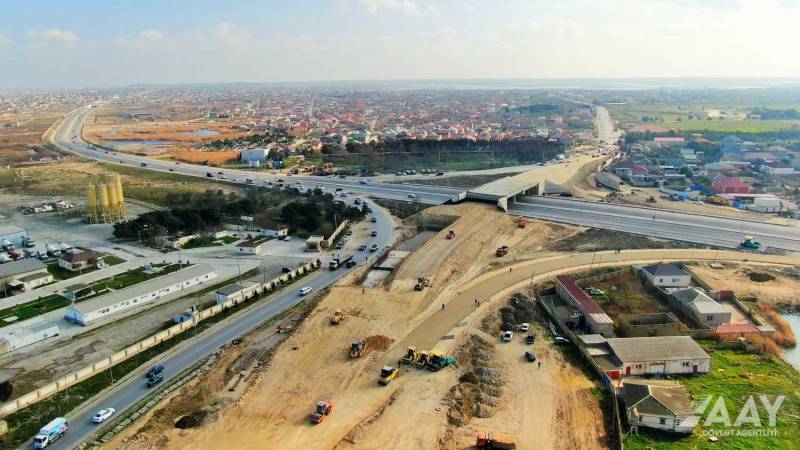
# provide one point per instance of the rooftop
(665, 270)
(698, 300)
(230, 289)
(15, 268)
(139, 289)
(659, 348)
(657, 398)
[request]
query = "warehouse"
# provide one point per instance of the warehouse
(12, 234)
(594, 318)
(662, 355)
(23, 275)
(236, 292)
(87, 312)
(26, 333)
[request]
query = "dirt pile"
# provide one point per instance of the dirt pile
(760, 277)
(194, 419)
(480, 384)
(378, 343)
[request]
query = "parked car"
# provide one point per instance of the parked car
(103, 414)
(530, 356)
(524, 327)
(530, 338)
(287, 238)
(373, 219)
(362, 247)
(507, 336)
(560, 340)
(305, 291)
(363, 181)
(286, 269)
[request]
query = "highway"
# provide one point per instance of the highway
(68, 138)
(710, 230)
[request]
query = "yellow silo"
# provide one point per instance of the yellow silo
(120, 197)
(113, 203)
(102, 201)
(92, 204)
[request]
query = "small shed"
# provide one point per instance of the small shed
(314, 243)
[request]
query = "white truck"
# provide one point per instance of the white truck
(7, 245)
(4, 258)
(51, 432)
(53, 250)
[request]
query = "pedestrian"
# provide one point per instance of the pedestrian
(363, 290)
(442, 306)
(540, 364)
(477, 303)
(510, 269)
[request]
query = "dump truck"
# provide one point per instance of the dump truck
(388, 373)
(337, 262)
(337, 318)
(322, 409)
(750, 243)
(501, 251)
(422, 283)
(451, 234)
(357, 348)
(422, 359)
(438, 360)
(496, 440)
(51, 432)
(410, 356)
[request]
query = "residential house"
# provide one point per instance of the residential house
(730, 185)
(666, 275)
(776, 168)
(701, 307)
(660, 405)
(594, 318)
(76, 260)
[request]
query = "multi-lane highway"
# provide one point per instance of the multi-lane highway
(129, 392)
(68, 137)
(720, 231)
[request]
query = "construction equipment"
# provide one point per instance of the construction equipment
(422, 359)
(501, 251)
(410, 356)
(521, 222)
(357, 348)
(388, 373)
(338, 261)
(422, 283)
(321, 410)
(451, 234)
(438, 360)
(496, 440)
(750, 243)
(337, 318)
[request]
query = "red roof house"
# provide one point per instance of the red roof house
(730, 185)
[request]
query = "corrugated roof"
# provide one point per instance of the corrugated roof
(142, 288)
(659, 348)
(19, 267)
(587, 303)
(665, 270)
(661, 399)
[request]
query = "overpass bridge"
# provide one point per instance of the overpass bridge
(506, 190)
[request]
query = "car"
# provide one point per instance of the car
(305, 291)
(172, 170)
(524, 327)
(373, 248)
(342, 177)
(357, 201)
(530, 338)
(209, 175)
(340, 245)
(530, 356)
(596, 292)
(349, 233)
(339, 189)
(541, 163)
(176, 162)
(373, 219)
(438, 174)
(222, 177)
(363, 181)
(220, 172)
(507, 336)
(412, 196)
(342, 195)
(287, 238)
(280, 180)
(362, 247)
(560, 340)
(151, 382)
(155, 370)
(103, 414)
(286, 269)
(374, 233)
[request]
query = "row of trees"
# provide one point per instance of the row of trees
(262, 139)
(528, 149)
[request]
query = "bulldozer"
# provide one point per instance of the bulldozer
(337, 318)
(438, 360)
(750, 243)
(322, 409)
(388, 373)
(422, 283)
(357, 348)
(410, 356)
(422, 359)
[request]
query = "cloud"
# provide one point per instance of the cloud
(151, 35)
(410, 7)
(5, 40)
(54, 35)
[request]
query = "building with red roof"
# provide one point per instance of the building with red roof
(730, 185)
(594, 317)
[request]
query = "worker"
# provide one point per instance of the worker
(510, 269)
(540, 364)
(363, 290)
(442, 306)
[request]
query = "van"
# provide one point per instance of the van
(305, 291)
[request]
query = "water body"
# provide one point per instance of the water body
(201, 133)
(135, 142)
(793, 354)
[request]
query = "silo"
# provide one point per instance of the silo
(120, 197)
(102, 201)
(113, 203)
(91, 204)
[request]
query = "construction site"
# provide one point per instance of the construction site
(105, 200)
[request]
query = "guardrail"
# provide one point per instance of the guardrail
(79, 375)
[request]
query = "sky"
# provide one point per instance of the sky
(93, 43)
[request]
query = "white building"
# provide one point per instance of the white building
(702, 307)
(236, 292)
(659, 355)
(26, 333)
(251, 246)
(666, 275)
(659, 404)
(140, 294)
(254, 154)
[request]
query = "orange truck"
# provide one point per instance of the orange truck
(496, 440)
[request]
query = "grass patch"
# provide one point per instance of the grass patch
(25, 423)
(32, 309)
(735, 375)
(401, 209)
(228, 239)
(208, 241)
(7, 177)
(744, 126)
(112, 260)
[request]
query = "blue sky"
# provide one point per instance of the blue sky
(106, 43)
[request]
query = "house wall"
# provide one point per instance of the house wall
(33, 284)
(666, 367)
(671, 423)
(711, 320)
(15, 341)
(672, 281)
(605, 329)
(248, 250)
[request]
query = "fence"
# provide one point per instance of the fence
(79, 375)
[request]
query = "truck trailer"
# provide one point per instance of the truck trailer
(51, 432)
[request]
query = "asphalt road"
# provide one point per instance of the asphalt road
(67, 137)
(719, 231)
(186, 354)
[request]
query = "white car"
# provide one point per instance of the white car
(287, 238)
(103, 414)
(305, 291)
(524, 327)
(507, 336)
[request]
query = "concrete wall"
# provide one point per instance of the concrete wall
(99, 366)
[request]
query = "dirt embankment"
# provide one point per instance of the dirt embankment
(780, 286)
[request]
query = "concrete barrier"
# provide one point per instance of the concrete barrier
(146, 343)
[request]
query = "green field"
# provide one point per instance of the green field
(736, 375)
(745, 126)
(208, 241)
(32, 309)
